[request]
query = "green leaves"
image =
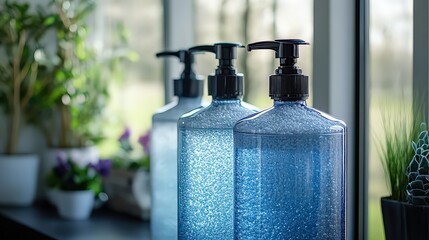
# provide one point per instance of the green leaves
(396, 150)
(20, 34)
(49, 21)
(70, 84)
(74, 177)
(418, 170)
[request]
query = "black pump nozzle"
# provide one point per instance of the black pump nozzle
(189, 84)
(226, 83)
(288, 83)
(225, 52)
(286, 49)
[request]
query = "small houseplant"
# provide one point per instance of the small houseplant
(22, 56)
(415, 213)
(79, 83)
(80, 80)
(128, 186)
(78, 89)
(397, 153)
(74, 186)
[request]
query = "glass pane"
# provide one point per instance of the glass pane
(390, 89)
(141, 92)
(225, 20)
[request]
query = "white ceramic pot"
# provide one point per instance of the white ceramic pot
(82, 156)
(74, 205)
(18, 179)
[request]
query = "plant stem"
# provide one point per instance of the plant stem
(15, 117)
(64, 126)
(31, 83)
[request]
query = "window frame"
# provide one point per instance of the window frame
(421, 55)
(342, 91)
(178, 34)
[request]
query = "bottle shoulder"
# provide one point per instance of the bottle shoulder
(174, 110)
(219, 116)
(290, 119)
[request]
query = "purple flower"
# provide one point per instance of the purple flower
(126, 135)
(145, 141)
(62, 166)
(103, 167)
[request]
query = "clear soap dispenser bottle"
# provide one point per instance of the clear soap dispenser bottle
(205, 169)
(189, 90)
(289, 161)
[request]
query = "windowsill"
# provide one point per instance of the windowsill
(43, 218)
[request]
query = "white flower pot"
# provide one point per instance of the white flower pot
(18, 179)
(74, 205)
(82, 156)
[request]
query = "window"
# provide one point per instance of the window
(329, 25)
(248, 21)
(133, 100)
(390, 81)
(340, 33)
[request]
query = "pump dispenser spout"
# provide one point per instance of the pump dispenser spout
(189, 84)
(288, 83)
(225, 83)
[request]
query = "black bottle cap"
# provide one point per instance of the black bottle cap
(288, 83)
(189, 84)
(225, 83)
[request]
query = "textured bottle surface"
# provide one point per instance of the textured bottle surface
(164, 168)
(289, 176)
(164, 181)
(206, 171)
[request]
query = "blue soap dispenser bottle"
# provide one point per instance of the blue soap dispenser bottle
(289, 161)
(205, 163)
(189, 90)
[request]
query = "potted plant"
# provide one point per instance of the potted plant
(79, 85)
(398, 153)
(128, 186)
(22, 57)
(74, 186)
(65, 124)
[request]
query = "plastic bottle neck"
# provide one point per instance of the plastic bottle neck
(297, 102)
(219, 101)
(189, 100)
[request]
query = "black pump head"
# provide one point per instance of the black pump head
(189, 84)
(226, 83)
(288, 83)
